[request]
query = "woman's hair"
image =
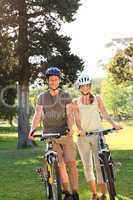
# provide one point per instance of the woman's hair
(91, 97)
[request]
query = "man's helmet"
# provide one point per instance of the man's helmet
(82, 80)
(53, 71)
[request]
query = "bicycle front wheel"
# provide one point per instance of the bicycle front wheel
(109, 178)
(56, 183)
(45, 174)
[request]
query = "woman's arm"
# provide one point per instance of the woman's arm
(105, 114)
(77, 118)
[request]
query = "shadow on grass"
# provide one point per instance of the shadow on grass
(17, 172)
(7, 143)
(5, 129)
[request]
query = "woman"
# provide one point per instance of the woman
(88, 110)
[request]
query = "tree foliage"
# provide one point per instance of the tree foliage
(8, 108)
(118, 98)
(121, 66)
(7, 92)
(34, 28)
(7, 59)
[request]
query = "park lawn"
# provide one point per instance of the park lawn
(18, 180)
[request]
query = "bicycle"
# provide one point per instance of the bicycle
(50, 172)
(106, 161)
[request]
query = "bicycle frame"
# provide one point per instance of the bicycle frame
(103, 148)
(50, 172)
(50, 156)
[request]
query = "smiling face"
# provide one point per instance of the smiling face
(85, 89)
(53, 82)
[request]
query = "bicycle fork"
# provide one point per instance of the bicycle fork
(45, 173)
(101, 156)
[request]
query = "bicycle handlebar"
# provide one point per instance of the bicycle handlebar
(103, 131)
(45, 136)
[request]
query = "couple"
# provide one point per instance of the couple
(58, 111)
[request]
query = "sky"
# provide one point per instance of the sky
(97, 22)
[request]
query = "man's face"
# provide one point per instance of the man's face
(54, 82)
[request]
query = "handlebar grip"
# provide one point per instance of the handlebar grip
(113, 129)
(37, 136)
(33, 131)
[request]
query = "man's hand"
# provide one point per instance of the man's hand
(31, 134)
(70, 133)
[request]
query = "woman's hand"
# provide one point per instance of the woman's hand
(81, 133)
(117, 127)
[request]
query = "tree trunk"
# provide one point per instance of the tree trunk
(23, 122)
(10, 120)
(23, 86)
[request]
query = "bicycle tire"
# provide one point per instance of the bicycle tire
(56, 184)
(108, 171)
(47, 185)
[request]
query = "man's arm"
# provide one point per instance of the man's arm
(105, 114)
(36, 119)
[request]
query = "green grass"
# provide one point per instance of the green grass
(18, 181)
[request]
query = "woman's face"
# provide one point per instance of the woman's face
(85, 89)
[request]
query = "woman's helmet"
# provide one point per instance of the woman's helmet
(83, 79)
(53, 71)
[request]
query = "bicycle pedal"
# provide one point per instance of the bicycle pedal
(40, 171)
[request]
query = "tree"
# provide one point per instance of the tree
(7, 89)
(121, 65)
(96, 86)
(34, 28)
(118, 98)
(8, 108)
(7, 59)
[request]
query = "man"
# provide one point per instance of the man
(56, 108)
